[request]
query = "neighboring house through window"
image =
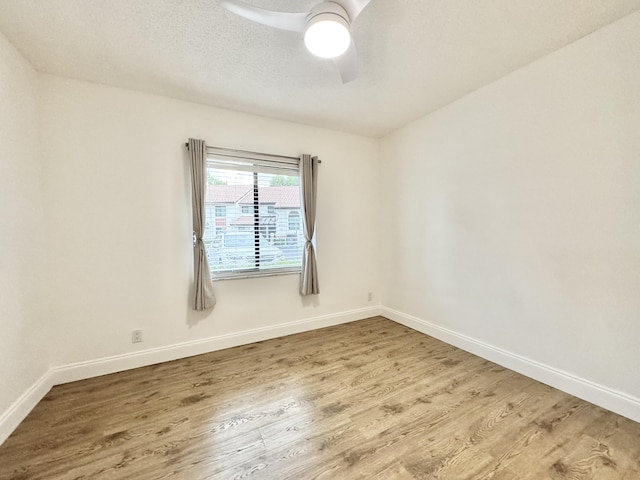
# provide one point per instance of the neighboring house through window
(257, 202)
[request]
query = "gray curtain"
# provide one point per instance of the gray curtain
(308, 191)
(204, 297)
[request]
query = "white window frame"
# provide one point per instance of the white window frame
(256, 163)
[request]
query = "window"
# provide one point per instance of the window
(261, 193)
(294, 220)
(221, 210)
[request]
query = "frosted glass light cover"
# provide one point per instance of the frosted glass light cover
(327, 38)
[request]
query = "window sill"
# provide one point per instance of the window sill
(255, 274)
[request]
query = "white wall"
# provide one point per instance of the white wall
(22, 230)
(119, 206)
(512, 216)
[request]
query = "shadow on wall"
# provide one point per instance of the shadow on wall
(310, 301)
(194, 317)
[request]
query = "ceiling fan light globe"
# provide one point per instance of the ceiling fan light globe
(327, 36)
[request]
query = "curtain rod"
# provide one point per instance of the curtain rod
(248, 152)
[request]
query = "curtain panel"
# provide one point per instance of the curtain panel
(308, 191)
(204, 297)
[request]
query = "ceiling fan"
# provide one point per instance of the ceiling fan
(326, 28)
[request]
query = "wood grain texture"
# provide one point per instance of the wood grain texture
(367, 400)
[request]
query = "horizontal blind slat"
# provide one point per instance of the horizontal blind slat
(246, 236)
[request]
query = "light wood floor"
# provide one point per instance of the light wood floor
(370, 400)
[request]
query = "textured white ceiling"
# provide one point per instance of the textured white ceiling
(415, 55)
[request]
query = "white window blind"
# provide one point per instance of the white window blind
(251, 201)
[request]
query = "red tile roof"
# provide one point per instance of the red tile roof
(226, 193)
(280, 197)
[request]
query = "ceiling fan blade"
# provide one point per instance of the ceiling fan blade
(353, 7)
(347, 64)
(294, 22)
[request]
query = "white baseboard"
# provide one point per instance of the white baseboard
(618, 402)
(127, 361)
(17, 412)
(10, 419)
(615, 401)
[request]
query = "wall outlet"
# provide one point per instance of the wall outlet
(369, 296)
(136, 336)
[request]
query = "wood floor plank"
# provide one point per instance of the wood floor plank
(367, 400)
